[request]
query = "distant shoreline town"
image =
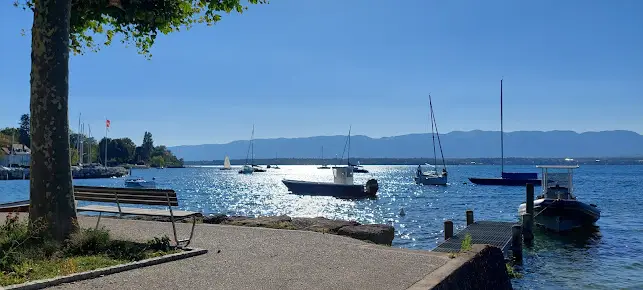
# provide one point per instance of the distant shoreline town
(452, 161)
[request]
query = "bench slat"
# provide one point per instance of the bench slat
(129, 201)
(146, 191)
(137, 211)
(81, 195)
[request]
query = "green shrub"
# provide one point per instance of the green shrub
(466, 243)
(25, 255)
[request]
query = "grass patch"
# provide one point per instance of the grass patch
(24, 256)
(512, 272)
(466, 244)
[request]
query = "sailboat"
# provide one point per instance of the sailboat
(506, 178)
(247, 168)
(324, 165)
(341, 187)
(226, 164)
(432, 177)
(276, 166)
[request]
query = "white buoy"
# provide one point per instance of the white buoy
(402, 213)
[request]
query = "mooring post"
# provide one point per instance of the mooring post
(527, 229)
(516, 243)
(530, 199)
(448, 229)
(469, 217)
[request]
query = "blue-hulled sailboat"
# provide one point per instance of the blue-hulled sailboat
(506, 178)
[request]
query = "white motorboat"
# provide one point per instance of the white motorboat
(557, 209)
(342, 185)
(138, 182)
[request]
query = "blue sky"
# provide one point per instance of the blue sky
(306, 68)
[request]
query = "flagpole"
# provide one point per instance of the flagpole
(106, 128)
(89, 156)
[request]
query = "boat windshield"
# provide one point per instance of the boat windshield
(557, 184)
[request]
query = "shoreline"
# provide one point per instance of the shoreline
(77, 172)
(380, 234)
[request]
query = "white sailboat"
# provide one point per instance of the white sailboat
(248, 168)
(226, 164)
(324, 165)
(432, 176)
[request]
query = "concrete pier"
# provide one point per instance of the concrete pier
(260, 258)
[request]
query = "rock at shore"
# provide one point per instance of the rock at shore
(97, 172)
(379, 234)
(375, 233)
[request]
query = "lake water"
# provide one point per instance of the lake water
(610, 259)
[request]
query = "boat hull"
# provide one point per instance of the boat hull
(146, 184)
(350, 191)
(560, 215)
(431, 180)
(504, 181)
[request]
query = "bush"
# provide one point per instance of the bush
(24, 255)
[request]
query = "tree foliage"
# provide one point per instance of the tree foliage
(147, 147)
(139, 22)
(24, 131)
(157, 161)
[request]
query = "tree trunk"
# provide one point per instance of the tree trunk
(52, 207)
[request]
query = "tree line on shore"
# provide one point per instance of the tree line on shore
(119, 150)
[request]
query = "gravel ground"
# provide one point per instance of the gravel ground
(260, 258)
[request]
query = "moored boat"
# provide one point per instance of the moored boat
(341, 187)
(432, 177)
(506, 178)
(138, 182)
(557, 208)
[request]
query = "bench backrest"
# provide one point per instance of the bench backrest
(166, 197)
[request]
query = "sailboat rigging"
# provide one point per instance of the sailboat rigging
(324, 165)
(432, 177)
(506, 178)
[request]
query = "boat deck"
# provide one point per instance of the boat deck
(497, 234)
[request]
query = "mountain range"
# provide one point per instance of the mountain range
(457, 144)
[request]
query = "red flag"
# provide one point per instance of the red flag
(107, 123)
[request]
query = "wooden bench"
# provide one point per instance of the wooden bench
(119, 196)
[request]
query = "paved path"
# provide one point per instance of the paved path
(259, 258)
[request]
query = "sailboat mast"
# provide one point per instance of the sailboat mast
(349, 144)
(252, 145)
(434, 123)
(435, 155)
(89, 156)
(502, 137)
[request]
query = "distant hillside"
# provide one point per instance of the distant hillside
(472, 144)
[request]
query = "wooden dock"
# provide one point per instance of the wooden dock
(497, 234)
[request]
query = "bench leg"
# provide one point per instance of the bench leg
(176, 239)
(98, 220)
(187, 242)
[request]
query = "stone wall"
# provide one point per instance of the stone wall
(483, 267)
